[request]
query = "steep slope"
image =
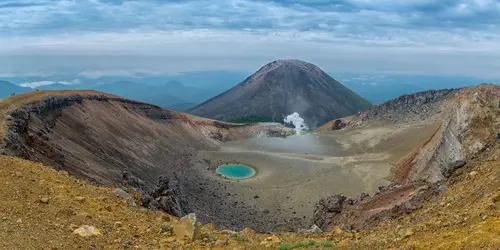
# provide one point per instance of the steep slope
(281, 88)
(468, 125)
(465, 215)
(114, 141)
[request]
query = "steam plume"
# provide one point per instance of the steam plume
(297, 121)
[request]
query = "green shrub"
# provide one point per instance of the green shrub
(299, 244)
(326, 244)
(238, 237)
(286, 246)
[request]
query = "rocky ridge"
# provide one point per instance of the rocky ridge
(102, 139)
(468, 120)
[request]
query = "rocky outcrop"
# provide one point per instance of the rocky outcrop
(168, 196)
(18, 140)
(468, 120)
(365, 211)
(112, 141)
(406, 108)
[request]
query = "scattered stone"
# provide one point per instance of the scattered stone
(314, 229)
(87, 231)
(256, 197)
(44, 200)
(442, 188)
(131, 203)
(186, 228)
(80, 198)
(128, 243)
(473, 174)
(9, 118)
(121, 193)
(229, 232)
(274, 239)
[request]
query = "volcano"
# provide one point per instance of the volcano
(281, 88)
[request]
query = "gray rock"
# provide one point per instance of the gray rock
(9, 118)
(442, 188)
(121, 193)
(131, 203)
(326, 209)
(314, 229)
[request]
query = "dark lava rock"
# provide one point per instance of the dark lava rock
(168, 196)
(326, 209)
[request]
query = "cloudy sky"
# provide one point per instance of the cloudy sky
(94, 38)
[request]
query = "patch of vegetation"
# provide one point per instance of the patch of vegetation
(326, 244)
(286, 246)
(238, 237)
(252, 119)
(304, 244)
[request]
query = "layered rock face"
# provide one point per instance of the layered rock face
(468, 121)
(114, 141)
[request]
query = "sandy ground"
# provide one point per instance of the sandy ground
(294, 173)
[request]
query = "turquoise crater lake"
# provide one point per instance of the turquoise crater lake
(236, 171)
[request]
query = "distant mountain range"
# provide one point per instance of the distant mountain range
(281, 88)
(170, 94)
(184, 91)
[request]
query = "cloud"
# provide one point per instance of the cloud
(45, 83)
(443, 36)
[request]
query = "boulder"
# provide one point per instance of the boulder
(121, 193)
(187, 228)
(326, 209)
(314, 229)
(87, 231)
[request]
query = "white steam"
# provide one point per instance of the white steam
(297, 121)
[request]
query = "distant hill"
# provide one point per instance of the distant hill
(7, 89)
(281, 88)
(182, 107)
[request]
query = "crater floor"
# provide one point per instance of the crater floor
(294, 173)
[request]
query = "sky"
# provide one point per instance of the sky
(98, 38)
